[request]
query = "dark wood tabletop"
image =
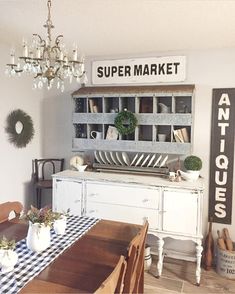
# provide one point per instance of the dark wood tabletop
(84, 265)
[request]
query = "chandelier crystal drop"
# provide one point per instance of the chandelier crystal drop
(48, 62)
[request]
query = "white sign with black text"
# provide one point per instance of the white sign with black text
(140, 70)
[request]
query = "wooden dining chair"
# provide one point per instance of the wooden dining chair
(43, 169)
(7, 207)
(133, 281)
(114, 282)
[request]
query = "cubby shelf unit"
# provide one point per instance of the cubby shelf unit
(95, 109)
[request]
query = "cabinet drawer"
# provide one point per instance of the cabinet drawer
(135, 195)
(121, 213)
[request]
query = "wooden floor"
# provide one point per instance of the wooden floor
(179, 277)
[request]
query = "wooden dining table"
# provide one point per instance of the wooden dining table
(83, 266)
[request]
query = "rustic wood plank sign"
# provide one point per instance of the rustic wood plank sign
(222, 155)
(139, 70)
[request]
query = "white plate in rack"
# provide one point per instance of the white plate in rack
(134, 159)
(164, 161)
(139, 160)
(145, 161)
(151, 160)
(119, 158)
(102, 157)
(157, 161)
(125, 158)
(108, 157)
(114, 159)
(97, 157)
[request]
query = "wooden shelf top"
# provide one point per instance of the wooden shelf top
(133, 89)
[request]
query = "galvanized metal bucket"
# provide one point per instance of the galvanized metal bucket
(225, 265)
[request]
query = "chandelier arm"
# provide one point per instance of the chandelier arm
(57, 40)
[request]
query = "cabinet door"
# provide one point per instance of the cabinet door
(67, 195)
(180, 211)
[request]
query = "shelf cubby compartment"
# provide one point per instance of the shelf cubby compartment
(145, 133)
(111, 104)
(95, 105)
(183, 104)
(128, 103)
(145, 104)
(166, 101)
(163, 130)
(95, 127)
(182, 134)
(80, 105)
(80, 130)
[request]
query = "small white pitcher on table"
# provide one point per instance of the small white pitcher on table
(60, 225)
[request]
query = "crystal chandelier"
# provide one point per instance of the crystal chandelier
(48, 62)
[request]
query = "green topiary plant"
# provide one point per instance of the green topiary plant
(192, 163)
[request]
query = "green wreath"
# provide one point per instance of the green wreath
(20, 138)
(123, 118)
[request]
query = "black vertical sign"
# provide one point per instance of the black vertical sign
(222, 155)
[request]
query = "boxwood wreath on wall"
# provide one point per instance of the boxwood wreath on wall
(125, 122)
(19, 127)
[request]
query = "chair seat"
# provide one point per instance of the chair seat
(44, 184)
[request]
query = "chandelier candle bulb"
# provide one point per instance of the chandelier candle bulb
(75, 55)
(61, 55)
(12, 58)
(38, 53)
(25, 50)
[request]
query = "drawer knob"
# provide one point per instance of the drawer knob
(93, 194)
(145, 200)
(91, 211)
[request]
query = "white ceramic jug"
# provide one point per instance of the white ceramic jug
(60, 225)
(38, 237)
(8, 259)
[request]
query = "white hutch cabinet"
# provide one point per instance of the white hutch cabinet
(172, 209)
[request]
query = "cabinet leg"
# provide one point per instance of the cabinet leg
(160, 243)
(199, 249)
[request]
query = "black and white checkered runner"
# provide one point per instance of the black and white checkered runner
(30, 263)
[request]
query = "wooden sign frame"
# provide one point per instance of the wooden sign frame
(222, 155)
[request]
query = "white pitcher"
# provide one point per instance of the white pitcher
(60, 225)
(38, 237)
(8, 259)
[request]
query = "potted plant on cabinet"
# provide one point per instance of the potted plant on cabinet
(193, 165)
(8, 257)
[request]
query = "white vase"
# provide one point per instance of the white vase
(8, 259)
(38, 237)
(60, 225)
(147, 258)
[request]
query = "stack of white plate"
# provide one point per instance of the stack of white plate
(122, 159)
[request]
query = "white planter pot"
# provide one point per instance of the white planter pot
(60, 225)
(190, 175)
(8, 259)
(38, 237)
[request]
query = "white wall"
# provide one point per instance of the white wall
(15, 163)
(206, 69)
